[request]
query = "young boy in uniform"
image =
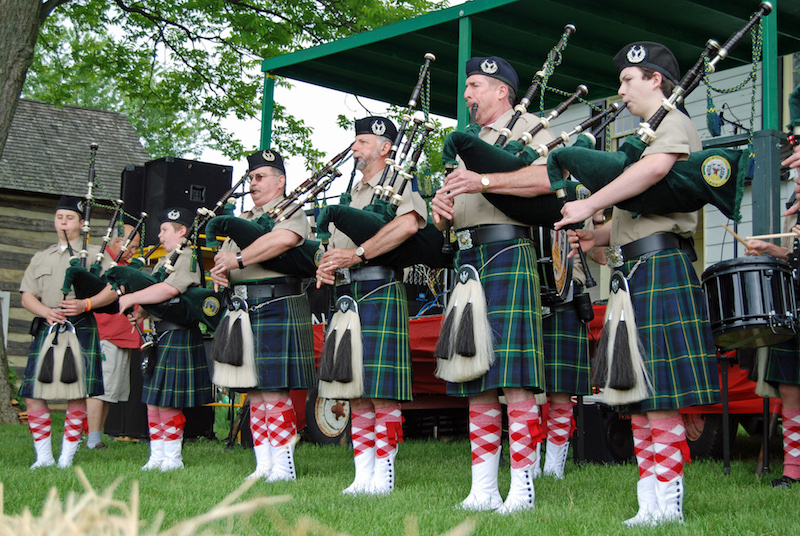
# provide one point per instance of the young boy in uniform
(180, 378)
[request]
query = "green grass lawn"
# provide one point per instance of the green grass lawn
(432, 476)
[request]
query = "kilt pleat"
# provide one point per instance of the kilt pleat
(511, 285)
(566, 353)
(180, 378)
(284, 343)
(86, 331)
(783, 365)
(672, 320)
(384, 329)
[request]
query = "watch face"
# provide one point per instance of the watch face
(485, 181)
(359, 251)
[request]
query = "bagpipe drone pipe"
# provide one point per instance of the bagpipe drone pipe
(711, 176)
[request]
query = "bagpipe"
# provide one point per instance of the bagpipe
(298, 260)
(196, 304)
(361, 224)
(711, 176)
(88, 282)
(60, 365)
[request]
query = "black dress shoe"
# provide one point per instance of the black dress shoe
(784, 482)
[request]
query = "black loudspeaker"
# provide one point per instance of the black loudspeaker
(132, 192)
(607, 435)
(175, 182)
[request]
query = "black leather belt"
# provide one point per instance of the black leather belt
(275, 288)
(658, 242)
(163, 326)
(486, 234)
(368, 273)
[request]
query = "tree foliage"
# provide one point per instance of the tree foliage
(177, 68)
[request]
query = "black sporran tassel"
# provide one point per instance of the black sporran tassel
(221, 336)
(326, 360)
(235, 346)
(465, 336)
(621, 376)
(69, 370)
(445, 342)
(343, 368)
(46, 370)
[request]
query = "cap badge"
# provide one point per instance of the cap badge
(637, 54)
(174, 214)
(489, 66)
(80, 205)
(268, 156)
(378, 128)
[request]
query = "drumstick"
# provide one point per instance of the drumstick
(741, 240)
(775, 235)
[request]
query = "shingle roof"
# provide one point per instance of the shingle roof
(48, 150)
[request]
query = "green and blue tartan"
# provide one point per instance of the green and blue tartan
(384, 330)
(672, 320)
(284, 343)
(511, 285)
(86, 331)
(566, 353)
(180, 379)
(783, 365)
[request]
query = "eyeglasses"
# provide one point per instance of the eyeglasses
(260, 176)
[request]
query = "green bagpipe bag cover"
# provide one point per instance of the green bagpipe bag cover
(197, 304)
(86, 284)
(423, 247)
(482, 157)
(296, 261)
(710, 176)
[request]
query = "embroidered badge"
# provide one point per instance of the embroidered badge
(716, 170)
(637, 54)
(211, 306)
(174, 214)
(378, 127)
(268, 155)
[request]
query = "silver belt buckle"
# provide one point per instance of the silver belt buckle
(342, 276)
(464, 239)
(241, 291)
(614, 256)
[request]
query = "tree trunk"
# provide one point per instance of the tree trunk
(7, 413)
(19, 28)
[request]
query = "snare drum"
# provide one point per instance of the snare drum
(751, 302)
(555, 269)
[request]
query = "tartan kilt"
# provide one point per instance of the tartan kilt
(86, 331)
(672, 320)
(284, 343)
(566, 353)
(783, 365)
(511, 285)
(384, 330)
(181, 378)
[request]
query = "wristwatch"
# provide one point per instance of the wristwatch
(360, 254)
(239, 260)
(485, 182)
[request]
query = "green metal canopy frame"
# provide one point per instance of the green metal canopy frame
(382, 64)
